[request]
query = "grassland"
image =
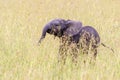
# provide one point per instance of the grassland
(21, 23)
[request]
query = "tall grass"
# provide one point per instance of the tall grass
(21, 24)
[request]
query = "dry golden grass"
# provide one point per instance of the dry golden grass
(21, 23)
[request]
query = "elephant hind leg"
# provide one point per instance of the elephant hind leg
(93, 54)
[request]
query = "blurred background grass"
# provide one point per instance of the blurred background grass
(21, 24)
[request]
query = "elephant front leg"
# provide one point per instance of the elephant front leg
(74, 51)
(62, 54)
(74, 55)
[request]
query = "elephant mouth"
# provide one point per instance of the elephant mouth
(57, 33)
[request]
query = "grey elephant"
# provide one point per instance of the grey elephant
(73, 36)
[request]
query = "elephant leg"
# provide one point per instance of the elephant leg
(74, 52)
(95, 53)
(94, 48)
(62, 54)
(64, 42)
(75, 55)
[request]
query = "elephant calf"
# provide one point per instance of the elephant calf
(73, 36)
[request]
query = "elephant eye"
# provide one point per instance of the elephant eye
(56, 24)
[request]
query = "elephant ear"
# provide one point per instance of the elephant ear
(73, 27)
(62, 24)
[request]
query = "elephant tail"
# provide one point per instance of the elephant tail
(107, 47)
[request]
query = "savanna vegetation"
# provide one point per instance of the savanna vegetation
(21, 24)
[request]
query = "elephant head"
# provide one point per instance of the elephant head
(54, 27)
(60, 27)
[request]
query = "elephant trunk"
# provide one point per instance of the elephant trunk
(44, 32)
